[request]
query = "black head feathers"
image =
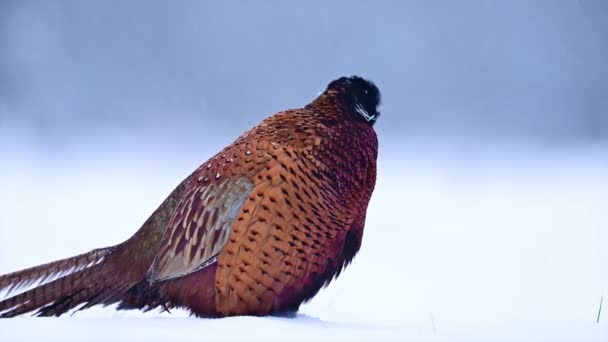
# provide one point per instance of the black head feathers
(360, 96)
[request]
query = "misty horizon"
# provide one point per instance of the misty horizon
(71, 71)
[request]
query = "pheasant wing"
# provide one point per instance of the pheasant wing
(199, 228)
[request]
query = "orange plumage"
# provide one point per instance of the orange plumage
(257, 229)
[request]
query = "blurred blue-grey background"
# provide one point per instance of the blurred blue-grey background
(180, 70)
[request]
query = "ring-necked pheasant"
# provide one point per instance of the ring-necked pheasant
(257, 229)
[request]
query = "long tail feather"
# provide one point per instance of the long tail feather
(20, 281)
(61, 285)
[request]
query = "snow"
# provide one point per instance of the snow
(462, 243)
(303, 328)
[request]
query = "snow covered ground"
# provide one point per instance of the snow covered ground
(463, 243)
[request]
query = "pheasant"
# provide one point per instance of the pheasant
(258, 229)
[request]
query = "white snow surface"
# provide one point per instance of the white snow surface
(462, 243)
